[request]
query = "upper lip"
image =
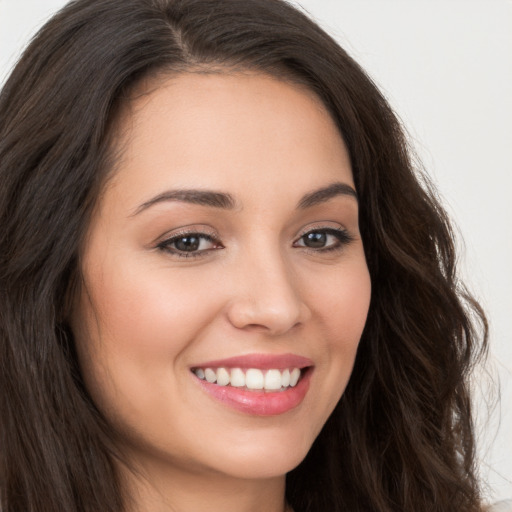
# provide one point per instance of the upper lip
(262, 361)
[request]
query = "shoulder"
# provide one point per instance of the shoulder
(501, 506)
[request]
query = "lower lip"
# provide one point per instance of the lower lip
(259, 403)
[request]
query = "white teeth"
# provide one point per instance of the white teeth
(210, 375)
(273, 380)
(237, 378)
(285, 379)
(252, 378)
(294, 377)
(222, 377)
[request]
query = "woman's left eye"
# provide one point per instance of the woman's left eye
(189, 244)
(324, 239)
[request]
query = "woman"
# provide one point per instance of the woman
(222, 284)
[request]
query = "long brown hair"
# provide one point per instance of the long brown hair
(401, 437)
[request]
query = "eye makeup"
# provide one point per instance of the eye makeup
(324, 239)
(194, 243)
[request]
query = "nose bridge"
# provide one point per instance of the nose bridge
(266, 293)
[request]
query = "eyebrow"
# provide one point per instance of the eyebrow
(325, 193)
(200, 197)
(226, 201)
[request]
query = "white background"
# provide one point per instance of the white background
(446, 67)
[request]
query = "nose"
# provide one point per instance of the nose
(266, 296)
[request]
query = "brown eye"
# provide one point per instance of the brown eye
(324, 239)
(189, 244)
(315, 239)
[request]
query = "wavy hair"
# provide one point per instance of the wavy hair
(401, 437)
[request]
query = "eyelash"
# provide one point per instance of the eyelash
(342, 236)
(166, 244)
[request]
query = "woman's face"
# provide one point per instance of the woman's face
(226, 246)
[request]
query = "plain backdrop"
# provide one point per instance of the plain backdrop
(446, 67)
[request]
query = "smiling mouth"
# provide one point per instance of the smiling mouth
(252, 379)
(257, 384)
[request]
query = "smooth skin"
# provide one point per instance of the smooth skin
(169, 283)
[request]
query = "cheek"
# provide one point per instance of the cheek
(131, 332)
(342, 307)
(351, 311)
(349, 306)
(143, 311)
(341, 300)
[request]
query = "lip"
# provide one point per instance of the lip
(259, 402)
(261, 361)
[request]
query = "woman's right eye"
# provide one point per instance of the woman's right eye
(188, 245)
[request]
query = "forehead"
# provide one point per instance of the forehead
(241, 131)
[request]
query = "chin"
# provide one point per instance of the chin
(264, 466)
(265, 456)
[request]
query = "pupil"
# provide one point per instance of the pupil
(187, 243)
(315, 240)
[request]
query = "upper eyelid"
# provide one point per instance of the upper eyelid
(326, 229)
(173, 238)
(199, 234)
(187, 231)
(214, 235)
(344, 233)
(321, 227)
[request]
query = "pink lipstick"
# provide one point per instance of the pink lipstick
(259, 384)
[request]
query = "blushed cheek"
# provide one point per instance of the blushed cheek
(344, 311)
(356, 300)
(149, 314)
(345, 306)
